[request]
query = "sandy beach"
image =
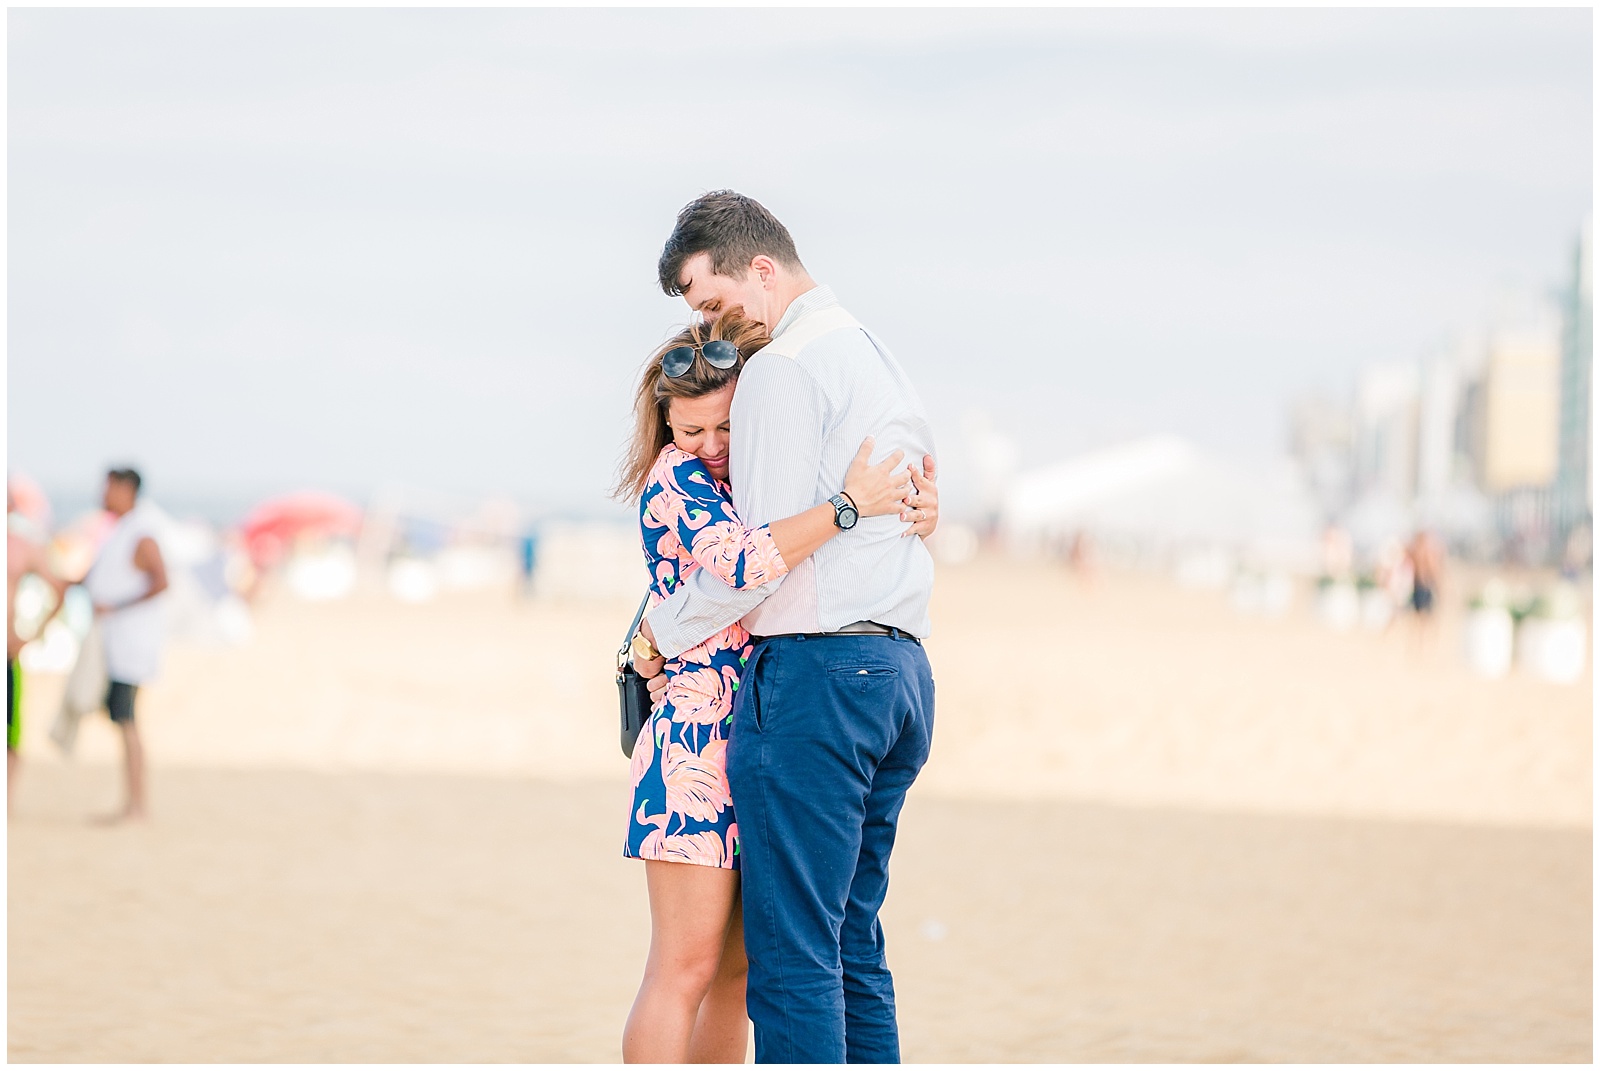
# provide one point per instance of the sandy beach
(389, 832)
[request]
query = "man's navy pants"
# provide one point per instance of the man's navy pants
(828, 733)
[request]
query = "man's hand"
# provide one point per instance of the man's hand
(658, 687)
(922, 504)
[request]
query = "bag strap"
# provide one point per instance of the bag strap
(807, 329)
(622, 652)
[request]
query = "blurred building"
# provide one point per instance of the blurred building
(1440, 459)
(1574, 490)
(1520, 410)
(1485, 441)
(1516, 416)
(1385, 422)
(1320, 439)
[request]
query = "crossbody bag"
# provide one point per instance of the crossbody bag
(633, 691)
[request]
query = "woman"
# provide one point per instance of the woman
(690, 1005)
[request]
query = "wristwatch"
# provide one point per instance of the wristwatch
(643, 649)
(844, 512)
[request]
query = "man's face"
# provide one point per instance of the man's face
(711, 295)
(118, 497)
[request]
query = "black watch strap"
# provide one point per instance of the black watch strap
(845, 514)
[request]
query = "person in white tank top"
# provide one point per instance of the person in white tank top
(125, 583)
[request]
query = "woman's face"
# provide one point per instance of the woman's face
(700, 427)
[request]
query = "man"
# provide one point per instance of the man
(834, 716)
(125, 584)
(25, 553)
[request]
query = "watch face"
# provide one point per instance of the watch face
(848, 517)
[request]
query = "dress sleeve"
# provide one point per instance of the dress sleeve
(707, 525)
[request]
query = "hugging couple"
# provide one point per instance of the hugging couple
(792, 699)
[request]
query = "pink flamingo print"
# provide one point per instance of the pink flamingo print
(697, 785)
(698, 697)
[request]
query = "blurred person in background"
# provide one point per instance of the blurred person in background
(834, 718)
(691, 1003)
(1083, 560)
(1395, 577)
(1426, 555)
(25, 553)
(527, 562)
(1576, 553)
(125, 583)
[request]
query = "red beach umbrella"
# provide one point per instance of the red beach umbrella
(271, 528)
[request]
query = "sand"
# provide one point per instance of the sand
(390, 832)
(284, 916)
(1135, 692)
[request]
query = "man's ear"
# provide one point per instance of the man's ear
(766, 270)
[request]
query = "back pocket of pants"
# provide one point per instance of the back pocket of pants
(865, 675)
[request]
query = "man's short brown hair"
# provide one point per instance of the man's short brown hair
(733, 228)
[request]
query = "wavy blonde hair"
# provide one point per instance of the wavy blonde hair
(656, 390)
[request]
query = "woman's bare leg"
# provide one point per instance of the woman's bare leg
(689, 911)
(722, 1032)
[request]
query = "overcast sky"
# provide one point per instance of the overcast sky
(260, 250)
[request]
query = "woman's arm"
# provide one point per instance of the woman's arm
(744, 557)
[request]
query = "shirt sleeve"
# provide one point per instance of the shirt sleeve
(715, 537)
(701, 607)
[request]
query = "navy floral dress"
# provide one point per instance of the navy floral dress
(682, 811)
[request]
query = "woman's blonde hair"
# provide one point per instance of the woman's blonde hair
(656, 390)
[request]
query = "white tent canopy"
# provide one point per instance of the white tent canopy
(1164, 492)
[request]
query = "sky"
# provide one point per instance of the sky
(258, 250)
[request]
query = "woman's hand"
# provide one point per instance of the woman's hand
(877, 490)
(922, 505)
(648, 667)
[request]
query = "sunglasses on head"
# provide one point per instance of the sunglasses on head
(719, 354)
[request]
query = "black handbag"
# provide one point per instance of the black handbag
(633, 691)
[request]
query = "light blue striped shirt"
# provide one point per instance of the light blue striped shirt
(796, 424)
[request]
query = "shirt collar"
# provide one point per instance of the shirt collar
(818, 297)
